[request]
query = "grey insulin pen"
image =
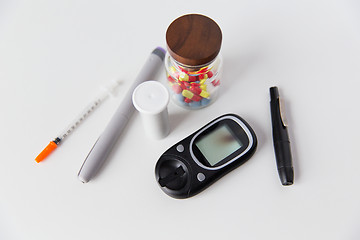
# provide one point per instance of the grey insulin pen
(113, 130)
(281, 139)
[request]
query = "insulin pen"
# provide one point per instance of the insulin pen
(281, 139)
(113, 130)
(75, 123)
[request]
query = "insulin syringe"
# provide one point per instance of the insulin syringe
(75, 123)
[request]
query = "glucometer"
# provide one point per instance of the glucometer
(199, 160)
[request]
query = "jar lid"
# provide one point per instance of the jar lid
(193, 39)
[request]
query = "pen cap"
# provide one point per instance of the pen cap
(274, 93)
(151, 98)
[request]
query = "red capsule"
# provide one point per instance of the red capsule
(182, 85)
(170, 79)
(187, 100)
(192, 78)
(216, 82)
(194, 84)
(176, 88)
(187, 84)
(195, 90)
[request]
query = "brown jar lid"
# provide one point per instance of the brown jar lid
(193, 39)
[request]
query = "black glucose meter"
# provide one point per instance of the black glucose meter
(199, 160)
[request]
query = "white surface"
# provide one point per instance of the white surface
(55, 54)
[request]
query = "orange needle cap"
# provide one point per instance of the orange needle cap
(49, 148)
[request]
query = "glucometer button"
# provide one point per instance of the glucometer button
(201, 177)
(180, 148)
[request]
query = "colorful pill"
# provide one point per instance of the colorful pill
(176, 88)
(200, 92)
(190, 95)
(187, 94)
(203, 76)
(187, 84)
(182, 85)
(170, 79)
(215, 82)
(187, 100)
(196, 90)
(180, 100)
(183, 77)
(195, 84)
(174, 72)
(192, 78)
(204, 94)
(172, 69)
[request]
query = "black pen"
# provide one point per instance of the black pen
(281, 139)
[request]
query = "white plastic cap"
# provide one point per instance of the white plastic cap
(151, 98)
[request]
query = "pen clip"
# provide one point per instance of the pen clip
(282, 112)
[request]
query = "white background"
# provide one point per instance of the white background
(54, 55)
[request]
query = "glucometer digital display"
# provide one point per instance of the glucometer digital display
(218, 144)
(197, 161)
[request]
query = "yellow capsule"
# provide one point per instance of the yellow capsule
(172, 70)
(187, 94)
(204, 94)
(203, 87)
(203, 77)
(184, 77)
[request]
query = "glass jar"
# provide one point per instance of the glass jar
(193, 62)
